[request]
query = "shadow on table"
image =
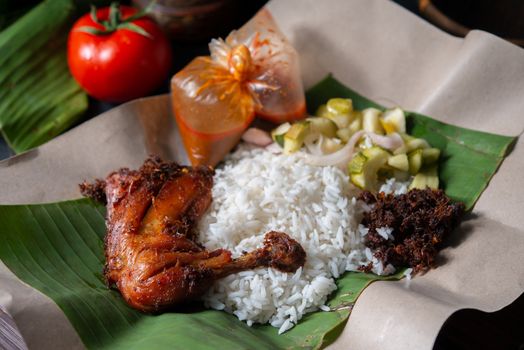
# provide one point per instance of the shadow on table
(474, 329)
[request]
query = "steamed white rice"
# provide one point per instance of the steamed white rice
(257, 191)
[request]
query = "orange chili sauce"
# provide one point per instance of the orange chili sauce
(206, 148)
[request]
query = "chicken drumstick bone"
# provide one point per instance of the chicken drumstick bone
(151, 253)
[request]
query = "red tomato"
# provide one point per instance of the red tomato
(121, 64)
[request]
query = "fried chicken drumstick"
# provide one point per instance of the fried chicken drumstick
(151, 251)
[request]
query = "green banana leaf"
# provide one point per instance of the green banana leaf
(38, 97)
(58, 249)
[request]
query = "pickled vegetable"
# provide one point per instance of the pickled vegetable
(415, 161)
(294, 138)
(278, 134)
(364, 167)
(394, 120)
(323, 126)
(341, 106)
(414, 144)
(399, 161)
(371, 122)
(426, 178)
(356, 124)
(382, 148)
(344, 134)
(430, 155)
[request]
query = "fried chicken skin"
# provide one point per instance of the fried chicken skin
(152, 255)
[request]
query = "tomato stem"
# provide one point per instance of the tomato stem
(115, 21)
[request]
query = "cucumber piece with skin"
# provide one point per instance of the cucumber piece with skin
(399, 162)
(406, 137)
(356, 123)
(410, 144)
(430, 155)
(359, 180)
(337, 111)
(414, 144)
(401, 150)
(394, 120)
(356, 165)
(323, 126)
(342, 106)
(322, 111)
(371, 122)
(364, 167)
(428, 177)
(294, 138)
(278, 134)
(388, 127)
(344, 134)
(341, 120)
(415, 161)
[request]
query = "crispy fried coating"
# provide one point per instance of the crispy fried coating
(152, 255)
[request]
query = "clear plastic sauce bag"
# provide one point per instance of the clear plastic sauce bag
(254, 71)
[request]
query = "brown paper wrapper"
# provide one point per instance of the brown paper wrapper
(386, 54)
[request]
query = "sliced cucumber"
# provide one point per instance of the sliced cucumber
(278, 134)
(415, 161)
(371, 122)
(356, 123)
(365, 166)
(401, 150)
(426, 178)
(294, 138)
(359, 180)
(323, 126)
(322, 111)
(376, 152)
(341, 120)
(387, 126)
(342, 106)
(344, 134)
(338, 110)
(414, 144)
(430, 155)
(394, 120)
(356, 165)
(337, 121)
(406, 137)
(399, 161)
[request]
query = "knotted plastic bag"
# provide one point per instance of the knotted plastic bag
(253, 72)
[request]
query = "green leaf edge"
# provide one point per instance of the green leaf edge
(36, 27)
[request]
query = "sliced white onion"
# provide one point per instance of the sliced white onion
(257, 137)
(390, 142)
(339, 158)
